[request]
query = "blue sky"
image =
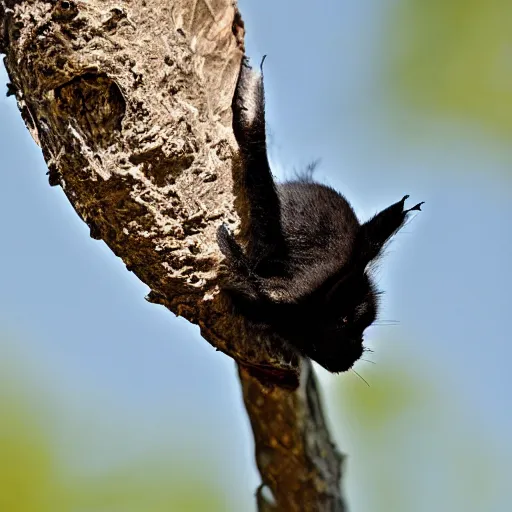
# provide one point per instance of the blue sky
(107, 362)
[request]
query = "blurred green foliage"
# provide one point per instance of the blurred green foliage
(454, 58)
(407, 440)
(29, 480)
(34, 479)
(410, 445)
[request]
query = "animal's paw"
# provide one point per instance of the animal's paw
(232, 251)
(225, 239)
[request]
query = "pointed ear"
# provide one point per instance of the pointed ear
(374, 234)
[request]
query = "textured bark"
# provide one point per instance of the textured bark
(130, 102)
(294, 453)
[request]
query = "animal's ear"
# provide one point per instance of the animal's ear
(248, 107)
(379, 229)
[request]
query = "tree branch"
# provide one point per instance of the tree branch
(294, 453)
(130, 103)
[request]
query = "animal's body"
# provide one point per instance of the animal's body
(302, 272)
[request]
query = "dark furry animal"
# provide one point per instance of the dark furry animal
(302, 273)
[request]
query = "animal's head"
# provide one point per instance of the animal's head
(347, 306)
(328, 326)
(333, 334)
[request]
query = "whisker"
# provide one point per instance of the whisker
(365, 381)
(407, 222)
(386, 322)
(367, 360)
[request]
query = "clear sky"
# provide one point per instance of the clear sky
(121, 377)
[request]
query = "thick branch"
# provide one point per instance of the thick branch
(131, 105)
(294, 453)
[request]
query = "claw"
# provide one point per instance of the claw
(261, 63)
(224, 230)
(224, 239)
(231, 250)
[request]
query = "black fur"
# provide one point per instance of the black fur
(302, 272)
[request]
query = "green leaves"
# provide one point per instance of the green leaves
(33, 478)
(409, 439)
(454, 58)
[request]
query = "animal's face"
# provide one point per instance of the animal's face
(331, 330)
(349, 305)
(350, 310)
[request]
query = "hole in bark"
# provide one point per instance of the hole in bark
(94, 103)
(65, 11)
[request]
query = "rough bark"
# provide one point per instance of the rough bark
(294, 453)
(130, 102)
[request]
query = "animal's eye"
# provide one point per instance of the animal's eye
(341, 323)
